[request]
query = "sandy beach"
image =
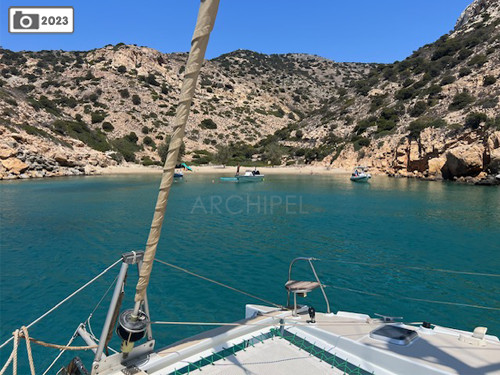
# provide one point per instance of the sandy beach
(292, 170)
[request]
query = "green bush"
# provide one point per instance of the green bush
(447, 80)
(405, 93)
(148, 141)
(48, 105)
(124, 94)
(127, 146)
(488, 102)
(474, 120)
(122, 69)
(489, 80)
(132, 137)
(360, 143)
(79, 130)
(145, 130)
(417, 126)
(98, 117)
(151, 79)
(106, 126)
(418, 109)
(433, 91)
(478, 60)
(464, 72)
(460, 101)
(146, 161)
(208, 124)
(136, 100)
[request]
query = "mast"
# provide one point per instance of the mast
(204, 25)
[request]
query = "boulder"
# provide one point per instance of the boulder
(494, 165)
(6, 153)
(63, 160)
(435, 166)
(463, 161)
(14, 165)
(18, 137)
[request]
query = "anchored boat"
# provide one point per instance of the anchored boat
(271, 338)
(248, 176)
(360, 174)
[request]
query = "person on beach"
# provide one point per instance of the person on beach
(238, 170)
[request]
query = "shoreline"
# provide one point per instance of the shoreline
(291, 170)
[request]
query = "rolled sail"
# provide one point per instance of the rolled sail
(204, 26)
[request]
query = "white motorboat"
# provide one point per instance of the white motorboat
(360, 174)
(248, 176)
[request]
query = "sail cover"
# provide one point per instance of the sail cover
(204, 25)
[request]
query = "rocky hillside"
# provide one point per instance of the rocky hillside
(120, 101)
(433, 115)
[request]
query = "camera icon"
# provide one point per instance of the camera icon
(26, 21)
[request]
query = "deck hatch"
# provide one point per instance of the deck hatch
(394, 335)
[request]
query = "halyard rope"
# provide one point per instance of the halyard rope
(64, 300)
(218, 283)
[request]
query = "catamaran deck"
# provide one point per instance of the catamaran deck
(272, 341)
(275, 357)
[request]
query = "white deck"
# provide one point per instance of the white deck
(436, 351)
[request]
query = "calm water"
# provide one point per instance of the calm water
(57, 234)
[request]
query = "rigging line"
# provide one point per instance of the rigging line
(417, 268)
(102, 298)
(417, 299)
(66, 299)
(97, 306)
(75, 334)
(218, 283)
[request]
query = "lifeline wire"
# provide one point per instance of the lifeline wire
(64, 300)
(217, 282)
(415, 268)
(331, 286)
(416, 299)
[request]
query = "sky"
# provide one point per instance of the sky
(380, 31)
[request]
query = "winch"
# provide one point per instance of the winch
(131, 328)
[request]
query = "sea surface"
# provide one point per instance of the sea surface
(57, 234)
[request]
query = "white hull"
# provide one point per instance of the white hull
(344, 337)
(361, 178)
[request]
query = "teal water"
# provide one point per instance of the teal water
(57, 234)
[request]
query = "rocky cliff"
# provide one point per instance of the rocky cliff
(433, 115)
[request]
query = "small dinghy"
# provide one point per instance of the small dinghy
(249, 176)
(179, 171)
(360, 174)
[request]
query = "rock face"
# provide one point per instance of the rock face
(436, 166)
(463, 161)
(14, 165)
(476, 9)
(494, 165)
